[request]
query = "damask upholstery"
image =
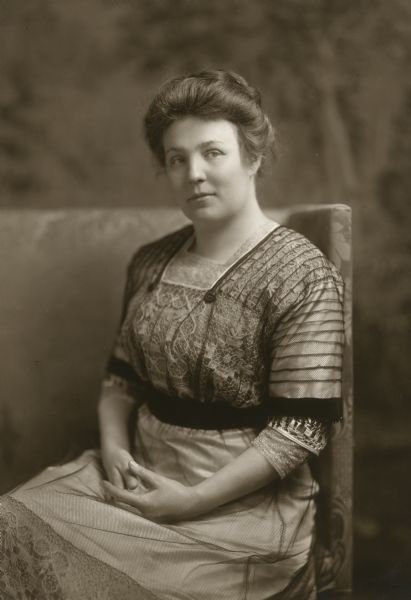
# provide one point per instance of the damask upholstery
(62, 275)
(329, 227)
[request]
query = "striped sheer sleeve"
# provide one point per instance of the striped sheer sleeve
(305, 377)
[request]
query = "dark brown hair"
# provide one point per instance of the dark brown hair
(211, 94)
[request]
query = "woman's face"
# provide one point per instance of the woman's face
(207, 174)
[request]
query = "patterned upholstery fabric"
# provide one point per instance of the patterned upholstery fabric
(62, 276)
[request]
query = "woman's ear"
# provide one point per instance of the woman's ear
(254, 166)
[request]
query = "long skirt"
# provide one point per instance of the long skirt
(60, 537)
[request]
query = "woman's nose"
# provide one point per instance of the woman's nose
(195, 170)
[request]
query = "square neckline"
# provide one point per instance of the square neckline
(182, 269)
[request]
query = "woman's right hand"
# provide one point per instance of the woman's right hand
(116, 464)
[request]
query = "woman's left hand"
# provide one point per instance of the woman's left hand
(163, 500)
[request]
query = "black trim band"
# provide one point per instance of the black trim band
(200, 415)
(321, 408)
(221, 415)
(122, 369)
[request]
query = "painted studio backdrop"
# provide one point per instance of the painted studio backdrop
(75, 79)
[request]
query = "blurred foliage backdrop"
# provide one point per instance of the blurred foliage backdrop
(76, 77)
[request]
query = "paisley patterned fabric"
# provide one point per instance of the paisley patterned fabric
(291, 335)
(190, 270)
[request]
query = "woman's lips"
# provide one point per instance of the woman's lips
(200, 196)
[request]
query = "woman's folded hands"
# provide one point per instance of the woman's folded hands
(161, 499)
(115, 461)
(156, 497)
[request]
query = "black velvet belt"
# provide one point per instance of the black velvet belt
(221, 415)
(203, 415)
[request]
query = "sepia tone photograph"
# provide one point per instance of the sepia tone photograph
(205, 307)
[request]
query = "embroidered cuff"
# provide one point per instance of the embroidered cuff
(308, 432)
(281, 452)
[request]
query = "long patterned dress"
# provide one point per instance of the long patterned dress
(263, 330)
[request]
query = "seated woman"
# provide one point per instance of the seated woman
(230, 349)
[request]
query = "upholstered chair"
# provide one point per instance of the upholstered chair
(62, 274)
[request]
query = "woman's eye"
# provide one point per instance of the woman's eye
(175, 161)
(213, 153)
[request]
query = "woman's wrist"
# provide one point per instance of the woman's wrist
(247, 473)
(204, 497)
(197, 503)
(111, 445)
(112, 442)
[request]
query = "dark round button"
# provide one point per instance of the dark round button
(151, 286)
(209, 297)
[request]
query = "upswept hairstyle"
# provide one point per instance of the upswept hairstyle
(211, 94)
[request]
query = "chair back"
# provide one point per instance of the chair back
(329, 228)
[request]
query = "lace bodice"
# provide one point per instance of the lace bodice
(271, 331)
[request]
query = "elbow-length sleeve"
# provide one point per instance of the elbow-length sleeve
(304, 390)
(119, 373)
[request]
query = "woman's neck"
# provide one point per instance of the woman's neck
(219, 241)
